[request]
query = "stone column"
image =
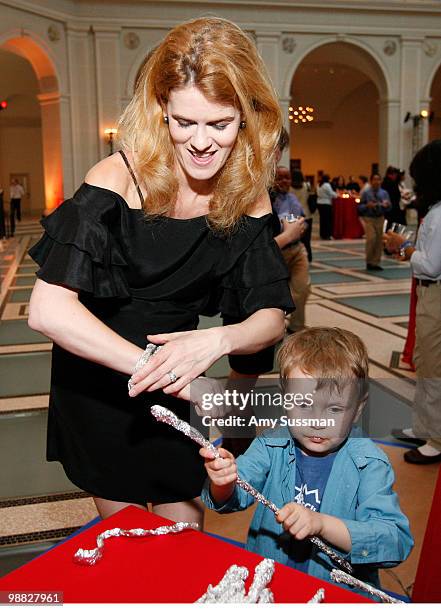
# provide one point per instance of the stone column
(84, 131)
(52, 150)
(285, 103)
(390, 128)
(268, 47)
(411, 87)
(108, 80)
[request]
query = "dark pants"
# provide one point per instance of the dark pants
(15, 211)
(306, 238)
(325, 212)
(395, 215)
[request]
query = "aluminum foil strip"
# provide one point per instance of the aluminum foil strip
(150, 350)
(319, 597)
(92, 556)
(339, 576)
(167, 416)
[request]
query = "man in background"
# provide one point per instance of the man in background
(16, 192)
(373, 205)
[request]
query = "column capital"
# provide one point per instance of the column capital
(45, 99)
(272, 36)
(412, 41)
(106, 29)
(76, 27)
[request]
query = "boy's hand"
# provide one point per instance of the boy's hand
(221, 471)
(300, 521)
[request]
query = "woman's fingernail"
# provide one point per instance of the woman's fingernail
(132, 392)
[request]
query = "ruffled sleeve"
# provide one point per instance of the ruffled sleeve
(258, 276)
(78, 250)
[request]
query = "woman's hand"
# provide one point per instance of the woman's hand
(293, 230)
(186, 354)
(299, 521)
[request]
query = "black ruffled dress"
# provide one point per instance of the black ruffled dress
(142, 277)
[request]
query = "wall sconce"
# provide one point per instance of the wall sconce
(110, 134)
(417, 129)
(423, 114)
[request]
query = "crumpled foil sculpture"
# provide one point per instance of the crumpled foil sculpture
(164, 415)
(231, 589)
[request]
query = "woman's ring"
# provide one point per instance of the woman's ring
(172, 376)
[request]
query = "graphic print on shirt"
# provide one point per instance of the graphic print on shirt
(313, 502)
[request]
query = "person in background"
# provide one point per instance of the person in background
(363, 183)
(373, 205)
(302, 190)
(247, 368)
(2, 216)
(353, 185)
(294, 253)
(338, 183)
(391, 185)
(407, 195)
(325, 195)
(425, 261)
(16, 192)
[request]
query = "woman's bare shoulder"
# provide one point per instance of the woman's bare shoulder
(109, 173)
(112, 173)
(261, 207)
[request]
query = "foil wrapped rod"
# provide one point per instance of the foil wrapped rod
(339, 576)
(92, 556)
(164, 415)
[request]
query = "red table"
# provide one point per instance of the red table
(345, 220)
(427, 587)
(157, 569)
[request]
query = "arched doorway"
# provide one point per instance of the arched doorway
(20, 132)
(343, 85)
(435, 106)
(39, 86)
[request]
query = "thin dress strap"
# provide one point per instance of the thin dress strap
(132, 174)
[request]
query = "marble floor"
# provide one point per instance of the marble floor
(39, 506)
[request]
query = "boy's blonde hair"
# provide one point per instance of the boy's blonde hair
(218, 58)
(330, 354)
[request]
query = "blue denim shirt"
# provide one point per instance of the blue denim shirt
(359, 492)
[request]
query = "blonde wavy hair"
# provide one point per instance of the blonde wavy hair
(218, 58)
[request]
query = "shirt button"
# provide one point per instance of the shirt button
(364, 553)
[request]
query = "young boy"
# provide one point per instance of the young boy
(327, 480)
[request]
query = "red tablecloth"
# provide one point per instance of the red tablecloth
(345, 220)
(157, 569)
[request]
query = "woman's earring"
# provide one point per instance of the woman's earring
(242, 125)
(165, 118)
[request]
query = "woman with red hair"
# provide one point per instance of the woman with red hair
(174, 225)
